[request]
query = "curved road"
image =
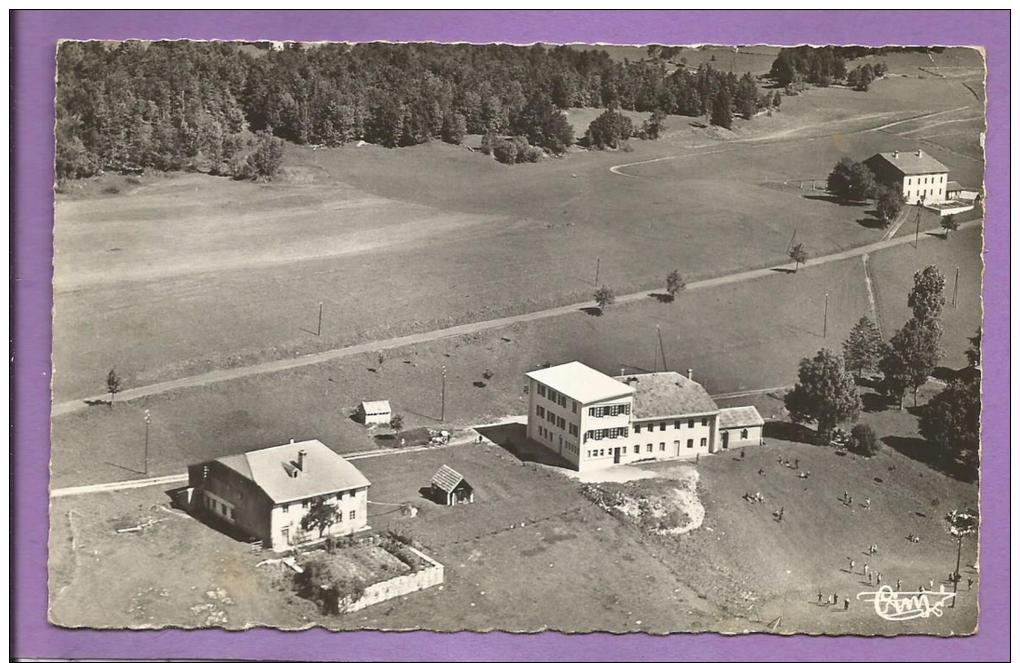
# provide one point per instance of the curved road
(223, 375)
(774, 139)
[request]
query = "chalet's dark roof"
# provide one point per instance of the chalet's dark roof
(447, 478)
(667, 394)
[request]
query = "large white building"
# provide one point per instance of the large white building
(593, 420)
(918, 176)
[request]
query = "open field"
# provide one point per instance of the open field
(575, 566)
(228, 274)
(893, 273)
(736, 337)
(754, 341)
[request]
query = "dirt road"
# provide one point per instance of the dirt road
(222, 375)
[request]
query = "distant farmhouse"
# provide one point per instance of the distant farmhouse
(918, 176)
(266, 493)
(593, 420)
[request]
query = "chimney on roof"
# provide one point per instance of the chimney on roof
(920, 153)
(690, 373)
(896, 154)
(292, 440)
(300, 464)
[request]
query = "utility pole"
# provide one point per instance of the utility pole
(956, 574)
(661, 349)
(319, 328)
(825, 320)
(442, 410)
(598, 262)
(956, 286)
(145, 462)
(792, 239)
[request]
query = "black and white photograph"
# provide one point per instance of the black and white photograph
(572, 337)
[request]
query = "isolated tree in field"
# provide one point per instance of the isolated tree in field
(825, 392)
(864, 441)
(799, 255)
(397, 423)
(604, 297)
(915, 353)
(722, 110)
(889, 203)
(926, 299)
(321, 516)
(951, 421)
(973, 353)
(609, 129)
(674, 284)
(112, 385)
(862, 350)
(949, 224)
(851, 180)
(505, 151)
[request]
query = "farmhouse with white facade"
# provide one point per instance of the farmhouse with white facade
(593, 420)
(266, 493)
(919, 177)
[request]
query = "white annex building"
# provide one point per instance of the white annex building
(593, 420)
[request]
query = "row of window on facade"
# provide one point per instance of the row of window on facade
(556, 397)
(649, 448)
(934, 180)
(662, 425)
(307, 503)
(600, 433)
(609, 410)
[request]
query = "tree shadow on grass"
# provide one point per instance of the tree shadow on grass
(873, 402)
(921, 450)
(784, 270)
(594, 311)
(662, 297)
(789, 431)
(829, 198)
(873, 223)
(514, 438)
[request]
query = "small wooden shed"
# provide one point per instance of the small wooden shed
(374, 412)
(450, 487)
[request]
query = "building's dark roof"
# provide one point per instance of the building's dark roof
(740, 417)
(912, 163)
(274, 471)
(667, 394)
(447, 478)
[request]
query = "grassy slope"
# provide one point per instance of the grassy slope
(575, 567)
(410, 228)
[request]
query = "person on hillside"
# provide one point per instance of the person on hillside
(899, 584)
(819, 597)
(970, 583)
(865, 568)
(846, 604)
(851, 565)
(878, 579)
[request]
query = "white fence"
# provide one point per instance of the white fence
(430, 576)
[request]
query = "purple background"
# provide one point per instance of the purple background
(35, 35)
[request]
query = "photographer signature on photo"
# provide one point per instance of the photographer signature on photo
(902, 606)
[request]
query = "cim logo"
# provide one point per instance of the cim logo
(902, 606)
